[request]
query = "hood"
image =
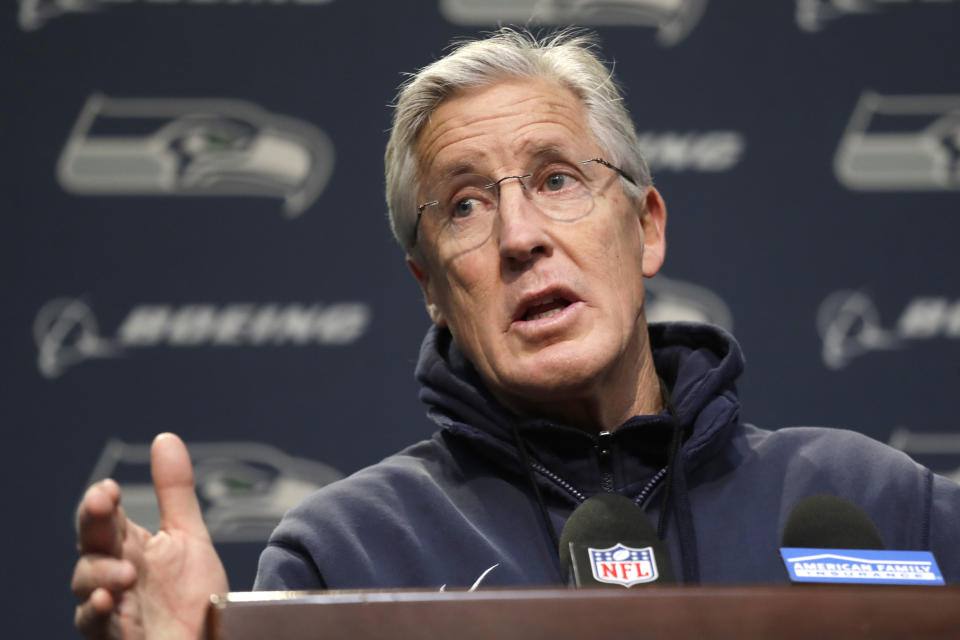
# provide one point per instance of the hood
(698, 366)
(698, 363)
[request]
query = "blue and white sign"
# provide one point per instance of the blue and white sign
(861, 566)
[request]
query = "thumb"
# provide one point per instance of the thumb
(173, 483)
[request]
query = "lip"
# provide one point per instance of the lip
(555, 321)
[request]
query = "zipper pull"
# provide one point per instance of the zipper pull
(605, 456)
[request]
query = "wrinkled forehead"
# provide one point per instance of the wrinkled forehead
(510, 124)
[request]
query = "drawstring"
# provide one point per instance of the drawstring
(674, 453)
(676, 498)
(528, 465)
(685, 527)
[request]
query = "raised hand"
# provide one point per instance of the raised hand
(134, 584)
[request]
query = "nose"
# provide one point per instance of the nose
(522, 235)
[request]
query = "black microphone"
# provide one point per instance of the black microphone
(824, 521)
(608, 540)
(829, 539)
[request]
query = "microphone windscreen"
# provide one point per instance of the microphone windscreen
(605, 520)
(826, 521)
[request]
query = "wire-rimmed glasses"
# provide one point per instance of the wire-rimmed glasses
(462, 211)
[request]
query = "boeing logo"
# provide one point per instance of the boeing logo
(849, 325)
(814, 15)
(36, 13)
(673, 19)
(194, 147)
(702, 151)
(66, 331)
(901, 143)
(244, 488)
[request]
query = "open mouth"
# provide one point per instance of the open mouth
(541, 309)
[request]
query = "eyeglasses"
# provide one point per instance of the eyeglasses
(462, 211)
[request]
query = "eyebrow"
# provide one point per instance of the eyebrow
(460, 168)
(538, 153)
(550, 152)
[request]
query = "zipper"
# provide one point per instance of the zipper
(649, 487)
(604, 449)
(557, 480)
(605, 458)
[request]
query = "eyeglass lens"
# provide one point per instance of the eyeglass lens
(462, 212)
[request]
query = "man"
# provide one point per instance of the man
(517, 190)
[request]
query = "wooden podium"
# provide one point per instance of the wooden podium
(822, 612)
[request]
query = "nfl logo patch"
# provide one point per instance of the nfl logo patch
(624, 565)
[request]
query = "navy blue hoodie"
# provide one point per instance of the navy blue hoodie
(446, 510)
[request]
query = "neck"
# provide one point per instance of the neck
(628, 388)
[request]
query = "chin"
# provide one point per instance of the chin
(553, 376)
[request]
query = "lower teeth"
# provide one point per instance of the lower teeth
(546, 314)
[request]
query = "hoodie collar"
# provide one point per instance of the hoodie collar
(699, 364)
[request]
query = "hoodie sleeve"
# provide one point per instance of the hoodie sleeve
(282, 569)
(945, 527)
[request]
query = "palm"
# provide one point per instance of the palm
(176, 569)
(177, 572)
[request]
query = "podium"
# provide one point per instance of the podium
(799, 612)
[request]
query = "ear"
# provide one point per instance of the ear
(423, 278)
(653, 219)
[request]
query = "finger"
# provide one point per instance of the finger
(173, 482)
(92, 617)
(93, 572)
(100, 521)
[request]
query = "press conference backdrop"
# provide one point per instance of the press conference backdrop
(194, 236)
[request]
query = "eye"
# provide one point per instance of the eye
(560, 180)
(464, 208)
(556, 181)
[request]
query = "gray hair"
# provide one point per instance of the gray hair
(568, 57)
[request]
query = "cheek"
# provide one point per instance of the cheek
(619, 247)
(619, 250)
(467, 292)
(629, 243)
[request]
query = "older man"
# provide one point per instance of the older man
(517, 190)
